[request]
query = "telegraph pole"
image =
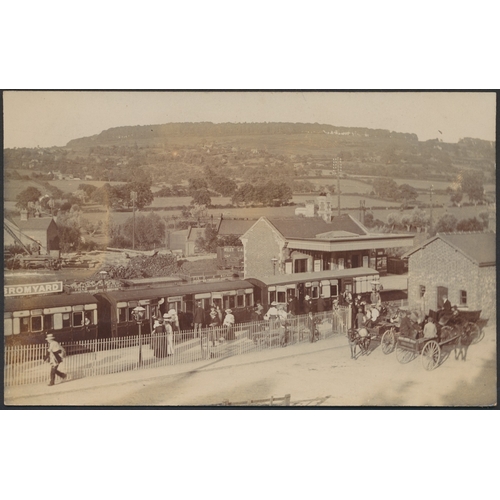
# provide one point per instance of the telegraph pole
(430, 218)
(337, 166)
(133, 195)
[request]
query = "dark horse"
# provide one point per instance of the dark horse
(357, 340)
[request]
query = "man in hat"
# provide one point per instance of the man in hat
(198, 319)
(321, 306)
(307, 305)
(229, 325)
(54, 356)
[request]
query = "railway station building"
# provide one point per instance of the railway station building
(461, 266)
(313, 245)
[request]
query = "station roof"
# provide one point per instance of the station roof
(236, 227)
(312, 227)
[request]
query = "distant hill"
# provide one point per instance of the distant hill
(174, 152)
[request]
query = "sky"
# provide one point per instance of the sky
(48, 119)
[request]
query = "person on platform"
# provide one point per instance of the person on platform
(321, 305)
(198, 319)
(293, 306)
(307, 305)
(445, 309)
(260, 309)
(228, 325)
(169, 321)
(272, 313)
(375, 297)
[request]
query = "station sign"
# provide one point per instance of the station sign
(35, 289)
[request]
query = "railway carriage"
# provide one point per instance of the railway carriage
(71, 317)
(115, 307)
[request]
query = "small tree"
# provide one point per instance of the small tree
(29, 195)
(446, 224)
(201, 197)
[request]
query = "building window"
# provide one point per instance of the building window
(240, 300)
(422, 291)
(281, 297)
(463, 297)
(301, 266)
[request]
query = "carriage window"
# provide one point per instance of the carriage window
(36, 323)
(47, 322)
(240, 300)
(122, 315)
(66, 320)
(272, 297)
(282, 297)
(249, 299)
(463, 297)
(315, 292)
(334, 290)
(78, 318)
(88, 317)
(231, 301)
(25, 325)
(422, 291)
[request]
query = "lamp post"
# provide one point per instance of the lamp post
(103, 275)
(274, 260)
(138, 314)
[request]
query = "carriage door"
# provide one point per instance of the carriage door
(442, 291)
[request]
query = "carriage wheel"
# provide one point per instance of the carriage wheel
(388, 341)
(403, 355)
(431, 354)
(475, 333)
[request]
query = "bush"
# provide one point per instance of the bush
(119, 241)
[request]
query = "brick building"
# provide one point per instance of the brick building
(300, 245)
(461, 266)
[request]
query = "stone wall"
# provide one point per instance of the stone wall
(439, 264)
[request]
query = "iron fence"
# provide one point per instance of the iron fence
(25, 364)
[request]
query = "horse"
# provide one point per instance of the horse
(357, 338)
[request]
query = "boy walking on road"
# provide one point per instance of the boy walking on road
(54, 356)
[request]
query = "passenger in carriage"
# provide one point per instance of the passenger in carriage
(430, 330)
(405, 324)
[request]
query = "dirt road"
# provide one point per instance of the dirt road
(321, 370)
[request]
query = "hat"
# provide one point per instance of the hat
(166, 315)
(307, 297)
(160, 320)
(274, 303)
(50, 337)
(229, 311)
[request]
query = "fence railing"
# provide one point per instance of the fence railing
(25, 365)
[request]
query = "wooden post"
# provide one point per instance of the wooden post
(287, 400)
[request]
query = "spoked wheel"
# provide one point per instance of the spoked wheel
(431, 354)
(403, 355)
(475, 333)
(388, 341)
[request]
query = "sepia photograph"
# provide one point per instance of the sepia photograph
(250, 249)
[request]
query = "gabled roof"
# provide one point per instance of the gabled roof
(37, 224)
(478, 247)
(236, 227)
(299, 227)
(195, 232)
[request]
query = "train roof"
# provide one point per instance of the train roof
(175, 289)
(25, 303)
(284, 279)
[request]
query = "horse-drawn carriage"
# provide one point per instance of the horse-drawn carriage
(384, 330)
(459, 330)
